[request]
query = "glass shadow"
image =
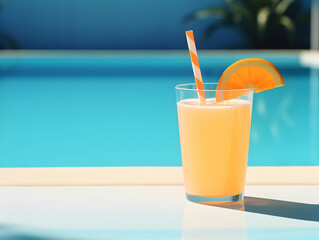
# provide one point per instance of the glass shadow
(278, 208)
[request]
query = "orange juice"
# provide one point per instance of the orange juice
(214, 144)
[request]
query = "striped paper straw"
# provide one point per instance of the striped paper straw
(196, 68)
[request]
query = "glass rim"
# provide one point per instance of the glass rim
(180, 87)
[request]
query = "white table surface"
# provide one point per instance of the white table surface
(150, 212)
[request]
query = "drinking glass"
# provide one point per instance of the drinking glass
(214, 139)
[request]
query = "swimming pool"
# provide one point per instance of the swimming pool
(60, 109)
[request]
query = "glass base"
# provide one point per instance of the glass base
(214, 200)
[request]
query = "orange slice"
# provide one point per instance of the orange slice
(251, 73)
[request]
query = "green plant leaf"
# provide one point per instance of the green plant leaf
(282, 6)
(262, 20)
(207, 13)
(290, 28)
(241, 13)
(287, 23)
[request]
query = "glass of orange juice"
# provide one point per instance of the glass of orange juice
(214, 140)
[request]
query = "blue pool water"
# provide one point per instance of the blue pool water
(102, 109)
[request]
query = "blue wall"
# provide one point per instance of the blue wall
(110, 24)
